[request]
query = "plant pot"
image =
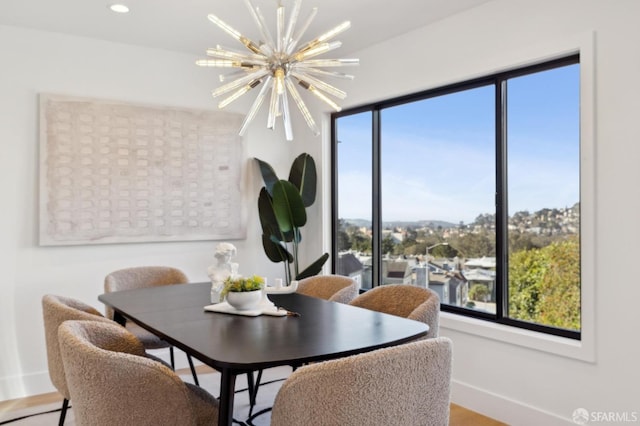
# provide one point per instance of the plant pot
(244, 300)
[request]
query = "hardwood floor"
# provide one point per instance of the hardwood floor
(460, 416)
(28, 402)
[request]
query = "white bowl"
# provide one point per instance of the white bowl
(244, 300)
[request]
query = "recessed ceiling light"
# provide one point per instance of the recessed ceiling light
(119, 8)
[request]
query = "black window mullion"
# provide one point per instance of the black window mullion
(502, 210)
(334, 194)
(376, 199)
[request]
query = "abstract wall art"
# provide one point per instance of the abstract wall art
(115, 172)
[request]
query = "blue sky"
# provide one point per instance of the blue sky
(439, 154)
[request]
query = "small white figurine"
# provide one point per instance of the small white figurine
(222, 269)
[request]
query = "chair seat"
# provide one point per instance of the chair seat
(203, 403)
(148, 339)
(160, 360)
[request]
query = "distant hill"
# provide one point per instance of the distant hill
(547, 221)
(402, 224)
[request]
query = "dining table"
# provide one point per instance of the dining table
(316, 330)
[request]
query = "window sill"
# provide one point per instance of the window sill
(583, 350)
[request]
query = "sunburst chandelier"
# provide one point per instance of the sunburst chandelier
(278, 66)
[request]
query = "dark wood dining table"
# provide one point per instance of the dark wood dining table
(234, 344)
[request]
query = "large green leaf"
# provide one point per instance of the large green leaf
(268, 175)
(275, 251)
(288, 206)
(268, 219)
(303, 176)
(282, 211)
(314, 268)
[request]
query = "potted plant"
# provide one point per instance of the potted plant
(242, 293)
(282, 208)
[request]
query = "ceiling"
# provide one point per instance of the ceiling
(183, 25)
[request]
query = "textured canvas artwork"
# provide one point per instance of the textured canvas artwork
(115, 172)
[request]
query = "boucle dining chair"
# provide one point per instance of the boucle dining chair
(407, 384)
(56, 310)
(336, 288)
(113, 383)
(407, 301)
(143, 277)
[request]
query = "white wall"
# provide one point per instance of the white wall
(33, 62)
(508, 381)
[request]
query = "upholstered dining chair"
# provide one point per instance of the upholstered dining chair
(407, 384)
(336, 288)
(113, 383)
(56, 310)
(417, 303)
(142, 277)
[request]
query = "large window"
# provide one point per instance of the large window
(471, 190)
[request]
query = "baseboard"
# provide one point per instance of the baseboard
(503, 409)
(14, 387)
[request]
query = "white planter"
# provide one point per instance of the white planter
(244, 300)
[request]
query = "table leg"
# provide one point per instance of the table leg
(119, 318)
(227, 393)
(251, 389)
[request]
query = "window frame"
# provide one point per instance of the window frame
(498, 81)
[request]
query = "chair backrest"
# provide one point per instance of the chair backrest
(112, 383)
(336, 288)
(407, 301)
(403, 385)
(141, 277)
(56, 310)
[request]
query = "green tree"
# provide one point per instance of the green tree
(479, 292)
(544, 285)
(560, 304)
(344, 242)
(519, 241)
(360, 242)
(417, 249)
(363, 245)
(388, 245)
(485, 219)
(526, 272)
(478, 244)
(408, 243)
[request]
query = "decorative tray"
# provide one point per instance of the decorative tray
(266, 306)
(262, 309)
(282, 290)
